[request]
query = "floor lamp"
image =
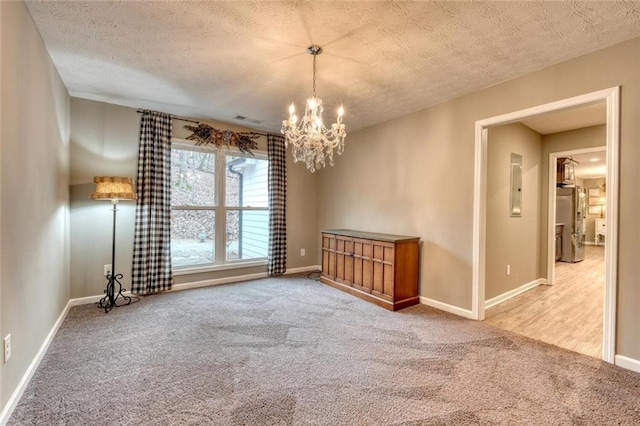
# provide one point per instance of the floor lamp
(114, 189)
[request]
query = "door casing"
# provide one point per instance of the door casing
(612, 98)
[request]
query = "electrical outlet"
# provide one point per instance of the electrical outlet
(107, 270)
(7, 348)
(508, 269)
(303, 252)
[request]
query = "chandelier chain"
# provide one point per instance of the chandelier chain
(314, 76)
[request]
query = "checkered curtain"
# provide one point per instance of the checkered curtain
(277, 263)
(151, 270)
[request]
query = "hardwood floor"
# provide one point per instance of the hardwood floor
(567, 314)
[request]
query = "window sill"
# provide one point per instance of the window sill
(215, 268)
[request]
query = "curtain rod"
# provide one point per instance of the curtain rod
(177, 117)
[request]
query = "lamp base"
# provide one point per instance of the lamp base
(111, 297)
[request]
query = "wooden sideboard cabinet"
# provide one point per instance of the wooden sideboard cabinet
(379, 268)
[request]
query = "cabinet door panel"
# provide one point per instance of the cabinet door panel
(357, 247)
(382, 269)
(388, 254)
(328, 255)
(344, 260)
(325, 241)
(357, 272)
(348, 261)
(348, 268)
(388, 280)
(339, 259)
(378, 251)
(378, 278)
(340, 266)
(367, 250)
(367, 282)
(357, 264)
(362, 265)
(325, 262)
(332, 264)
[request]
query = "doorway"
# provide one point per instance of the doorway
(611, 97)
(568, 312)
(593, 193)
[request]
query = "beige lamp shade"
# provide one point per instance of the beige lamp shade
(111, 188)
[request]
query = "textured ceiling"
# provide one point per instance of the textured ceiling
(381, 59)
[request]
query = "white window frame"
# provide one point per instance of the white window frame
(220, 209)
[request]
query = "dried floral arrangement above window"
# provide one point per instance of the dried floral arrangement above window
(203, 134)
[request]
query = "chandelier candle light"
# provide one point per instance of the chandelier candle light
(311, 141)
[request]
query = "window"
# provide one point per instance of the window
(219, 207)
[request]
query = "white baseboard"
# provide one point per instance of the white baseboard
(200, 284)
(90, 299)
(238, 278)
(312, 268)
(26, 378)
(628, 363)
(589, 243)
(217, 281)
(446, 307)
(513, 293)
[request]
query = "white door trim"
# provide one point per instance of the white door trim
(612, 97)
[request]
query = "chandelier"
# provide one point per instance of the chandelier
(312, 143)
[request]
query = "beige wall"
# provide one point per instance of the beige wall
(513, 241)
(34, 251)
(104, 141)
(414, 175)
(588, 137)
(591, 218)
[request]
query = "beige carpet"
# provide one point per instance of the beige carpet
(291, 351)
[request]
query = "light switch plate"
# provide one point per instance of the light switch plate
(7, 348)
